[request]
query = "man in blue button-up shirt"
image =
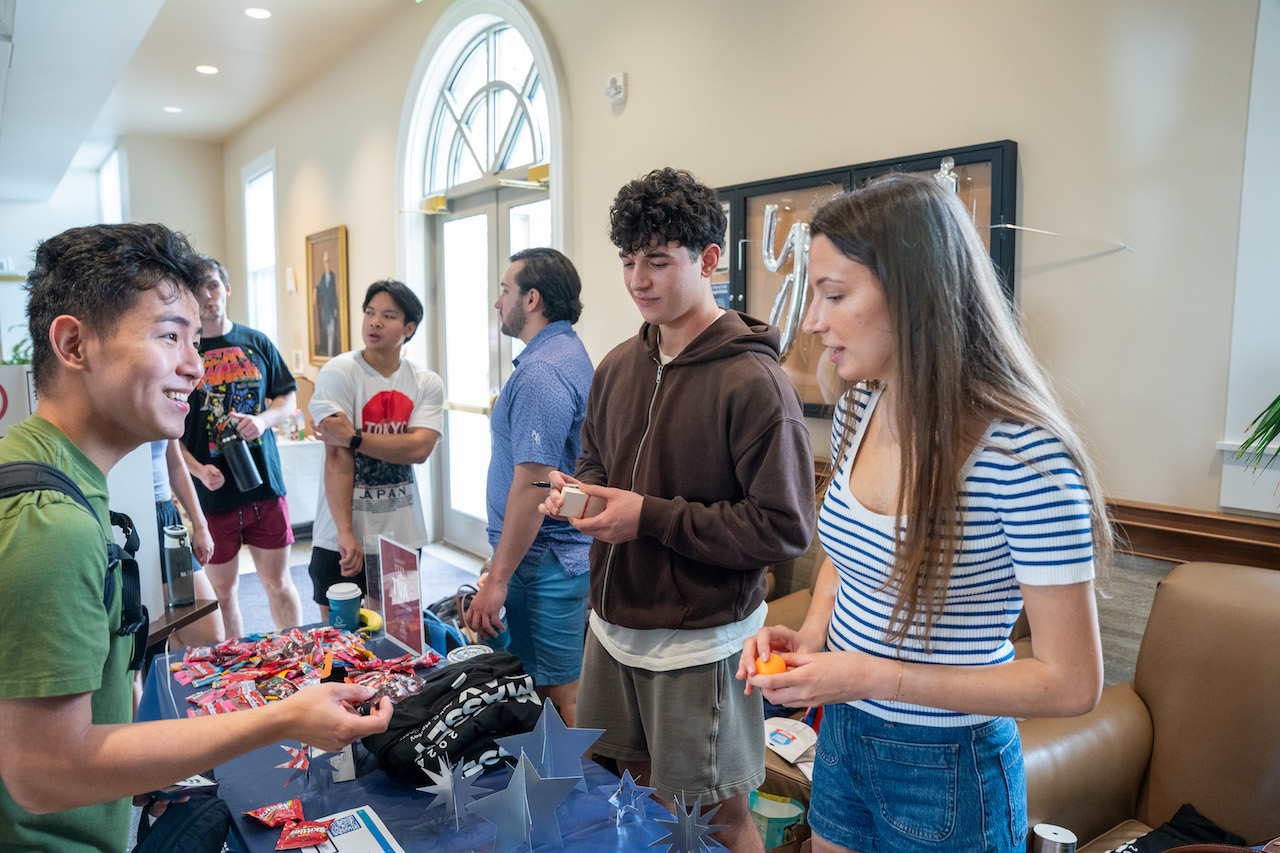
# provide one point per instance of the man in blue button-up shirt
(539, 566)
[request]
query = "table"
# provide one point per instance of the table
(174, 618)
(252, 780)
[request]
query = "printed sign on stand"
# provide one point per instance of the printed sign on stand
(401, 594)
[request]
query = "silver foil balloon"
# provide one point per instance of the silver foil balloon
(946, 175)
(793, 297)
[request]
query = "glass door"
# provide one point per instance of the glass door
(473, 242)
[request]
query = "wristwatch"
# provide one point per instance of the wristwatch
(356, 438)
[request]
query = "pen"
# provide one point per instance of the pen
(541, 484)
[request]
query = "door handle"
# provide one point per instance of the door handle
(471, 410)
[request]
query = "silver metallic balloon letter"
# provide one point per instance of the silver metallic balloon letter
(793, 297)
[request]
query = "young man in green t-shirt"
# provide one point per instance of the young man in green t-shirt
(114, 325)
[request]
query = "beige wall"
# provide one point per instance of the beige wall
(1129, 115)
(176, 182)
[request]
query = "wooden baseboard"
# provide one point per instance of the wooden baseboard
(1182, 535)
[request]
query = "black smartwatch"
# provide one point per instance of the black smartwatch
(356, 438)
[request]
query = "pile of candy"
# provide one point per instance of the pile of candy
(297, 832)
(247, 672)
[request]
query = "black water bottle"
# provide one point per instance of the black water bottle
(177, 566)
(243, 471)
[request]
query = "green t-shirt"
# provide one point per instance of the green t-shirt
(57, 637)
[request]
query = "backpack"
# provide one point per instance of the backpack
(198, 825)
(29, 476)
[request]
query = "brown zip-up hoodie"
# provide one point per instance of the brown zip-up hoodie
(716, 443)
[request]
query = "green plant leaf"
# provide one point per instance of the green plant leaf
(1264, 429)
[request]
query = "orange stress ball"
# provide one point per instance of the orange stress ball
(773, 666)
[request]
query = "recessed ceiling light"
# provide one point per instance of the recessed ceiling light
(173, 109)
(260, 14)
(207, 69)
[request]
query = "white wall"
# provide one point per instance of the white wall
(23, 224)
(1130, 117)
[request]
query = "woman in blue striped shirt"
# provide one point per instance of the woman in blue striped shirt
(959, 495)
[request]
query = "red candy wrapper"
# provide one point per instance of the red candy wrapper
(304, 834)
(280, 814)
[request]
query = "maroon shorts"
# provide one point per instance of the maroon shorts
(263, 524)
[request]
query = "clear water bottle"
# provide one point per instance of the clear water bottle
(177, 566)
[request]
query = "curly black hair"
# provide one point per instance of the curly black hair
(666, 206)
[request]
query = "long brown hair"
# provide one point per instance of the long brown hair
(961, 364)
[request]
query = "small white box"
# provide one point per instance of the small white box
(578, 504)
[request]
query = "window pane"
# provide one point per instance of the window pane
(531, 225)
(468, 462)
(260, 252)
(538, 106)
(473, 73)
(514, 58)
(504, 111)
(521, 153)
(465, 167)
(477, 123)
(445, 128)
(466, 310)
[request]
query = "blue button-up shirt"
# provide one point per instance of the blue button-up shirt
(538, 418)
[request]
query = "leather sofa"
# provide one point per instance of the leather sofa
(1199, 723)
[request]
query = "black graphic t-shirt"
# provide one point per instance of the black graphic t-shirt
(243, 371)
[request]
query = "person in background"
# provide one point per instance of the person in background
(246, 391)
(378, 415)
(539, 566)
(696, 441)
(172, 480)
(114, 321)
(959, 495)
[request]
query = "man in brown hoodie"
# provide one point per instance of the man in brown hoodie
(696, 440)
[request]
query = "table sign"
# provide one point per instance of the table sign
(401, 595)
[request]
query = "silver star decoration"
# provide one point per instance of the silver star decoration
(524, 813)
(554, 748)
(454, 793)
(690, 830)
(299, 763)
(626, 796)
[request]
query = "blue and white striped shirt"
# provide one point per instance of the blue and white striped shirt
(1026, 520)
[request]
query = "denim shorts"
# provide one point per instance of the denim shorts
(547, 618)
(881, 786)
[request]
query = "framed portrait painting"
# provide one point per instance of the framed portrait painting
(327, 327)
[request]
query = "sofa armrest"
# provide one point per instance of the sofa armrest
(1083, 773)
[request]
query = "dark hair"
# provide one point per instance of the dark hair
(961, 363)
(407, 301)
(553, 275)
(206, 265)
(96, 274)
(666, 206)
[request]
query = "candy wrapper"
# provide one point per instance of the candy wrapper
(306, 833)
(247, 672)
(279, 814)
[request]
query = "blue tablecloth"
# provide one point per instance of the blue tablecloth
(252, 780)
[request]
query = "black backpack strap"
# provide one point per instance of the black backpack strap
(134, 618)
(17, 478)
(30, 476)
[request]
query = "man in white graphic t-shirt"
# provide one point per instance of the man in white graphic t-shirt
(378, 415)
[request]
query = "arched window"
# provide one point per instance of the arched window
(491, 115)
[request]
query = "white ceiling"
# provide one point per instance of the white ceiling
(75, 75)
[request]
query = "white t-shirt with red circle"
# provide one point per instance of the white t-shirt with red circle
(385, 499)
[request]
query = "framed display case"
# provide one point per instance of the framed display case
(984, 176)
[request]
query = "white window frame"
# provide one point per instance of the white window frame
(262, 295)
